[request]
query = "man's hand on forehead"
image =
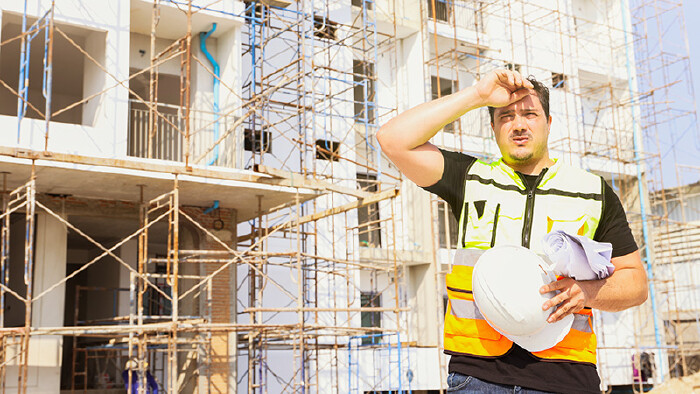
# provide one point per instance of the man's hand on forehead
(513, 80)
(502, 87)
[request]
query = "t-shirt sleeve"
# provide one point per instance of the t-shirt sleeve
(451, 186)
(613, 226)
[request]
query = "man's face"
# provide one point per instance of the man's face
(522, 130)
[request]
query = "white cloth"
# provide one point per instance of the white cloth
(578, 257)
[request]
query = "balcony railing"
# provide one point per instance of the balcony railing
(168, 142)
(464, 13)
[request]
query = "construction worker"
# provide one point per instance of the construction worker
(516, 200)
(130, 376)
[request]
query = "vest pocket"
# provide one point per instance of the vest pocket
(463, 317)
(469, 328)
(479, 224)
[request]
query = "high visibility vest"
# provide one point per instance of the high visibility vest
(498, 209)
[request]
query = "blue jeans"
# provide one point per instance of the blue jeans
(463, 384)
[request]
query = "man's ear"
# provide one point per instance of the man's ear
(549, 122)
(494, 129)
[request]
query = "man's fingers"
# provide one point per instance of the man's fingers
(518, 79)
(560, 313)
(556, 300)
(502, 76)
(553, 286)
(519, 94)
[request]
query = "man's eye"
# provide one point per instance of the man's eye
(531, 114)
(506, 117)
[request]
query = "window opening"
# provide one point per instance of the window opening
(364, 91)
(558, 81)
(452, 227)
(369, 229)
(327, 150)
(371, 319)
(447, 87)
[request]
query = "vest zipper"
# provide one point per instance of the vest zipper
(495, 226)
(529, 206)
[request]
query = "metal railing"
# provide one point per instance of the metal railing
(466, 14)
(168, 142)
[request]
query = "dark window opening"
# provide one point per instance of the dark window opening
(369, 229)
(358, 3)
(364, 91)
(259, 141)
(257, 8)
(513, 67)
(447, 87)
(155, 303)
(452, 228)
(327, 150)
(558, 81)
(441, 10)
(325, 28)
(15, 309)
(371, 319)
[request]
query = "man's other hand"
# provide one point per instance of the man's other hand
(571, 297)
(502, 87)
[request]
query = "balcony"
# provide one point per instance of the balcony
(168, 140)
(463, 14)
(458, 20)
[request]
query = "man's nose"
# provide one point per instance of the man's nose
(519, 123)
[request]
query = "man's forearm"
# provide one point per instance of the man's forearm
(624, 289)
(419, 124)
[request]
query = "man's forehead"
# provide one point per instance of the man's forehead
(530, 101)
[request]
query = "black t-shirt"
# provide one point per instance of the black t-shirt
(518, 366)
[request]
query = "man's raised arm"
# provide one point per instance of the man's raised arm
(404, 139)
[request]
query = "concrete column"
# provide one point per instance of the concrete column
(229, 49)
(93, 77)
(49, 269)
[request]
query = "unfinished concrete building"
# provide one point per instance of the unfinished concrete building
(195, 185)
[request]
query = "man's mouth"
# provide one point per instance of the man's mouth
(520, 139)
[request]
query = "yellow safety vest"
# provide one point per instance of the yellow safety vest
(498, 209)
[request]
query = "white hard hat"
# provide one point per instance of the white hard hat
(132, 364)
(506, 286)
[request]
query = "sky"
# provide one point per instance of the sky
(678, 135)
(691, 11)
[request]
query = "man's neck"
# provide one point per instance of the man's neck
(531, 167)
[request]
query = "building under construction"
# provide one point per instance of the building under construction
(195, 185)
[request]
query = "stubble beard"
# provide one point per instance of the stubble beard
(522, 157)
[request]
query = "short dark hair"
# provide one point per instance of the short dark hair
(542, 93)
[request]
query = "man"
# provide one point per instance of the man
(130, 376)
(516, 200)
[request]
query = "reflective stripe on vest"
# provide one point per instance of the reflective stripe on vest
(465, 309)
(499, 210)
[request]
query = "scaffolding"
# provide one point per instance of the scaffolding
(306, 287)
(294, 100)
